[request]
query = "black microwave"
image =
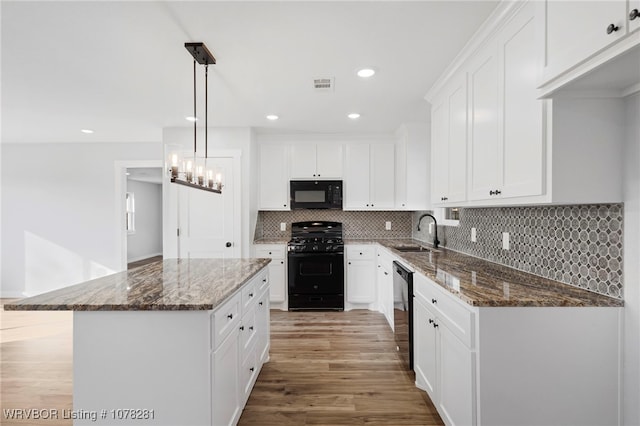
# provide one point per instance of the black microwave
(316, 194)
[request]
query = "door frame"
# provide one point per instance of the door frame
(120, 173)
(170, 218)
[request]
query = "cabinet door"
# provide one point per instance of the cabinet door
(576, 30)
(274, 177)
(425, 344)
(225, 393)
(329, 161)
(361, 281)
(521, 112)
(263, 327)
(483, 124)
(385, 292)
(457, 159)
(277, 280)
(382, 171)
(439, 152)
(356, 185)
(303, 161)
(457, 372)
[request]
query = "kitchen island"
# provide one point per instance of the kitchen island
(172, 342)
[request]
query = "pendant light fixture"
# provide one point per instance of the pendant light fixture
(192, 174)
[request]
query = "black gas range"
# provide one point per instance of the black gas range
(316, 266)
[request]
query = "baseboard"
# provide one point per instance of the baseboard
(146, 256)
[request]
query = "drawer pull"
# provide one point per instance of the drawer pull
(435, 324)
(230, 316)
(251, 328)
(431, 321)
(434, 301)
(612, 28)
(242, 328)
(260, 303)
(252, 369)
(250, 294)
(634, 14)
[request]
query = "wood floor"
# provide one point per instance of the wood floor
(328, 368)
(335, 368)
(143, 262)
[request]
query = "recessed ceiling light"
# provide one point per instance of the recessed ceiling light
(87, 131)
(272, 117)
(353, 115)
(366, 72)
(191, 118)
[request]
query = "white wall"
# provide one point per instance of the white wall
(58, 213)
(146, 241)
(631, 193)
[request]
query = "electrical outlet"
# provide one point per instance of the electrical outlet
(505, 241)
(474, 235)
(283, 226)
(387, 226)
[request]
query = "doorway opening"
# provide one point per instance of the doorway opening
(143, 215)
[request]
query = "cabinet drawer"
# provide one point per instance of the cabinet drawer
(225, 319)
(250, 294)
(262, 283)
(361, 252)
(248, 332)
(270, 251)
(457, 317)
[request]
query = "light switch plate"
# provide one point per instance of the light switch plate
(505, 241)
(474, 235)
(283, 226)
(387, 226)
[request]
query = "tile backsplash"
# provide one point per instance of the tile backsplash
(577, 245)
(356, 224)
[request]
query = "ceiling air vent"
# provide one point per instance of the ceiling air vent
(323, 84)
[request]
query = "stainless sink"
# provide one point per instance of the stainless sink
(415, 248)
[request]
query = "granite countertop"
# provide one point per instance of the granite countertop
(170, 284)
(482, 283)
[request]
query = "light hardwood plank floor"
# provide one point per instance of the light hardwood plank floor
(335, 368)
(326, 368)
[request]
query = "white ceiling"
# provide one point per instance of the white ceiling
(121, 69)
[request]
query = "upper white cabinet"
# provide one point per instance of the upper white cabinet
(575, 31)
(316, 161)
(369, 177)
(521, 150)
(412, 177)
(449, 144)
(506, 142)
(581, 38)
(274, 177)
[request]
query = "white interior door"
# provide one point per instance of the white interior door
(206, 220)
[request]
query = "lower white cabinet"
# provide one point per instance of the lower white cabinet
(361, 274)
(225, 384)
(240, 350)
(444, 364)
(516, 365)
(277, 270)
(385, 284)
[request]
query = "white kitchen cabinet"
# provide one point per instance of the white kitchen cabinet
(506, 142)
(449, 144)
(576, 31)
(412, 177)
(311, 161)
(277, 270)
(274, 177)
(444, 363)
(385, 284)
(370, 177)
(361, 274)
(226, 381)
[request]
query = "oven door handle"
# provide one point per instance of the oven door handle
(331, 254)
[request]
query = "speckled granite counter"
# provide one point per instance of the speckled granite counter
(482, 283)
(171, 284)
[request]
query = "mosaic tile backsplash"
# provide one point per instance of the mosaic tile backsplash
(577, 245)
(356, 225)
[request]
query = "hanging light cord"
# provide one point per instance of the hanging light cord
(194, 111)
(206, 110)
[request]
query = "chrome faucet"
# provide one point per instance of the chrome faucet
(435, 223)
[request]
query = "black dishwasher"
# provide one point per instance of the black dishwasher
(403, 312)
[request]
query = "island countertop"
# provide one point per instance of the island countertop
(170, 284)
